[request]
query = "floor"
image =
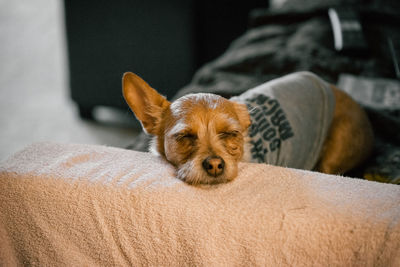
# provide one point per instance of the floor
(34, 101)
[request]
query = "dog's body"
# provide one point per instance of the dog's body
(290, 119)
(205, 136)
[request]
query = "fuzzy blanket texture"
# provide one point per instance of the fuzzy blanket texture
(86, 205)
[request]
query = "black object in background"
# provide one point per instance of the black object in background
(164, 42)
(394, 48)
(347, 30)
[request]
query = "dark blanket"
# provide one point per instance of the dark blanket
(296, 38)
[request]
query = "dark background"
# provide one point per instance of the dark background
(164, 42)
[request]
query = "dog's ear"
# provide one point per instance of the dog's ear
(243, 115)
(145, 102)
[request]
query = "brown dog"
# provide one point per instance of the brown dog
(297, 121)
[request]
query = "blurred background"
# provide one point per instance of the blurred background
(57, 89)
(35, 103)
(61, 62)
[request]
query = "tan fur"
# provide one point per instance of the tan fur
(191, 129)
(201, 128)
(210, 127)
(350, 138)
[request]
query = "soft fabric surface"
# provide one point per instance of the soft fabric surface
(94, 205)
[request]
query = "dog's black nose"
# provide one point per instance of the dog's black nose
(214, 165)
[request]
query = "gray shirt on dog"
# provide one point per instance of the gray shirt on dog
(290, 119)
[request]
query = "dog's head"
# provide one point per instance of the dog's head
(202, 135)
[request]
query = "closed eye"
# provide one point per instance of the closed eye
(229, 134)
(185, 136)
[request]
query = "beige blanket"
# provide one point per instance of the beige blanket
(93, 205)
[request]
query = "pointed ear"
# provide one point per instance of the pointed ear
(145, 102)
(243, 115)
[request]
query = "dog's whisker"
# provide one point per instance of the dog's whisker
(253, 109)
